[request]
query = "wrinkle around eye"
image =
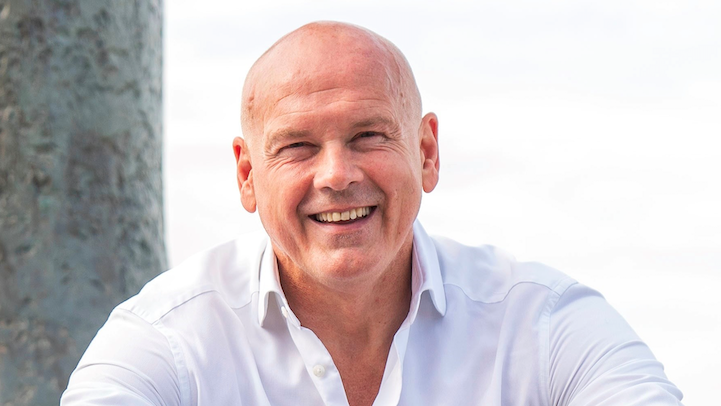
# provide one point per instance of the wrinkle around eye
(294, 152)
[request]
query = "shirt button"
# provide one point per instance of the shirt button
(318, 371)
(284, 311)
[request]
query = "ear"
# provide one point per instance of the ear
(244, 172)
(428, 133)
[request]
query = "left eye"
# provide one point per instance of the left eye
(367, 134)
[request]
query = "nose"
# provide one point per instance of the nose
(336, 169)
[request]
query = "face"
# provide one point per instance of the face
(337, 171)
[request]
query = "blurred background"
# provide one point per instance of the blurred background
(581, 134)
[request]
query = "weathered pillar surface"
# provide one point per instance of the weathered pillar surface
(80, 179)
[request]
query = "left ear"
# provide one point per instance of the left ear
(428, 133)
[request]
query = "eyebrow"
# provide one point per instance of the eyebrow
(285, 135)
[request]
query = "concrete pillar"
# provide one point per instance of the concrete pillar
(81, 224)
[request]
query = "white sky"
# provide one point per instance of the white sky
(582, 135)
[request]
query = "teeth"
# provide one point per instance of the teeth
(351, 214)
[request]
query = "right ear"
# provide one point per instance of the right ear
(244, 172)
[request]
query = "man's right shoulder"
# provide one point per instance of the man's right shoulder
(229, 270)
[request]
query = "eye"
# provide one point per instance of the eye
(296, 151)
(368, 134)
(293, 146)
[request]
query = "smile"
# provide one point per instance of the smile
(352, 214)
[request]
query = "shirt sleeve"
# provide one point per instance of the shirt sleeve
(129, 362)
(597, 359)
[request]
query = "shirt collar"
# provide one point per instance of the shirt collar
(426, 276)
(269, 281)
(427, 270)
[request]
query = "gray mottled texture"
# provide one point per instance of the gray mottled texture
(80, 179)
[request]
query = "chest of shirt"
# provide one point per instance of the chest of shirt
(478, 353)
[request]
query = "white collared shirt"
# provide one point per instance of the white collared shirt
(482, 329)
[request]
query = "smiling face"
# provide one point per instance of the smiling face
(336, 155)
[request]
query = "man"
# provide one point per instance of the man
(347, 300)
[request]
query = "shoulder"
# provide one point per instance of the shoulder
(228, 270)
(149, 342)
(488, 274)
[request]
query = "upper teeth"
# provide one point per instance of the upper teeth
(343, 216)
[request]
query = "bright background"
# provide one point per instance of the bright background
(582, 135)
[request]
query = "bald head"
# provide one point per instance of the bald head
(321, 56)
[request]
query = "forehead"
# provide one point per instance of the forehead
(333, 95)
(312, 72)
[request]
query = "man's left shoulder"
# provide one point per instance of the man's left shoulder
(487, 273)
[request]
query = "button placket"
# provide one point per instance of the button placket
(319, 365)
(318, 362)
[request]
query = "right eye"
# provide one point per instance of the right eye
(296, 151)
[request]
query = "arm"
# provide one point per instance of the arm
(129, 362)
(597, 359)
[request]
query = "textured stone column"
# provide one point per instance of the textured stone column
(80, 179)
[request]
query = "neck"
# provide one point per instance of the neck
(367, 311)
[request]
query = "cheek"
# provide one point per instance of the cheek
(281, 192)
(402, 186)
(401, 170)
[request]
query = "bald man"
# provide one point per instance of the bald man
(345, 300)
